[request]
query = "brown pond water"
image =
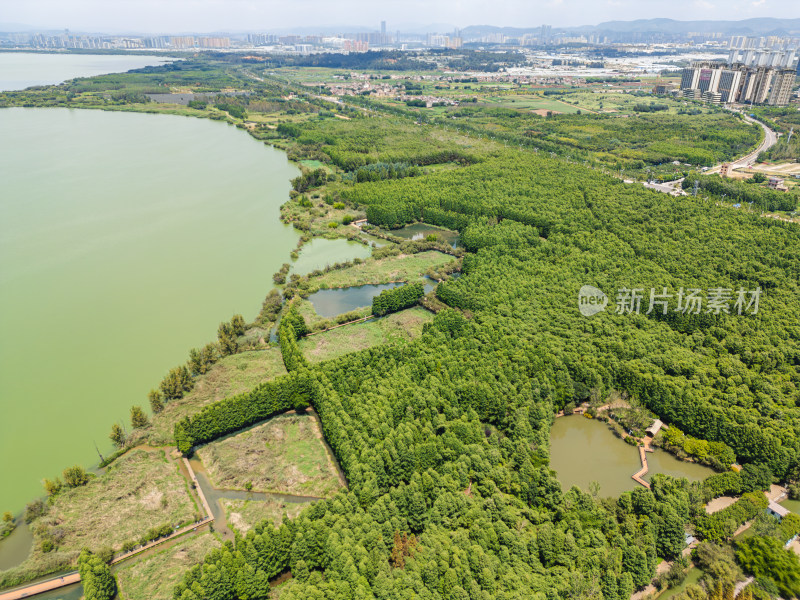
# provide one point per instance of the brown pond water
(584, 450)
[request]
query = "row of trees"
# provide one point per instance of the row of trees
(294, 391)
(739, 191)
(399, 298)
(292, 327)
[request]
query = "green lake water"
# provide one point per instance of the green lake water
(320, 253)
(584, 450)
(19, 70)
(124, 240)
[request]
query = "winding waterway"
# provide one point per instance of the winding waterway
(124, 240)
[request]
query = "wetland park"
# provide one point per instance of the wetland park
(264, 342)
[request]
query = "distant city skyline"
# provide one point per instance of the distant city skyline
(157, 16)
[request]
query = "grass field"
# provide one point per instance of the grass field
(140, 490)
(286, 454)
(154, 577)
(243, 515)
(410, 268)
(531, 102)
(397, 327)
(609, 101)
(230, 376)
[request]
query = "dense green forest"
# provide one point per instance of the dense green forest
(445, 441)
(644, 140)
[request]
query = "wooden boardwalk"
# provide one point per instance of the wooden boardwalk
(637, 477)
(42, 586)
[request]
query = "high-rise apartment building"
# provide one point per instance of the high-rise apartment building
(782, 84)
(752, 76)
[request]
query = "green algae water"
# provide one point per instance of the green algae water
(19, 70)
(124, 240)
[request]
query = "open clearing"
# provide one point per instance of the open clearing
(405, 267)
(398, 327)
(243, 515)
(154, 577)
(139, 491)
(230, 376)
(284, 455)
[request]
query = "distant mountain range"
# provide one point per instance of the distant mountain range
(758, 26)
(753, 27)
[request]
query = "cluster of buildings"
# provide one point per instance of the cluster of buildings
(67, 40)
(763, 76)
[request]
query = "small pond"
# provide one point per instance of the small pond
(692, 577)
(584, 450)
(662, 461)
(337, 301)
(329, 303)
(419, 231)
(319, 253)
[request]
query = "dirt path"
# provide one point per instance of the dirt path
(717, 504)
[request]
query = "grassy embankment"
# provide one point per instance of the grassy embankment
(243, 515)
(139, 491)
(231, 375)
(398, 327)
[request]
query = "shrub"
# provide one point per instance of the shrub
(75, 476)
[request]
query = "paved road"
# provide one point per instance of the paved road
(669, 187)
(748, 160)
(770, 139)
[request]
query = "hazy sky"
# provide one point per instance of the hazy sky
(253, 15)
